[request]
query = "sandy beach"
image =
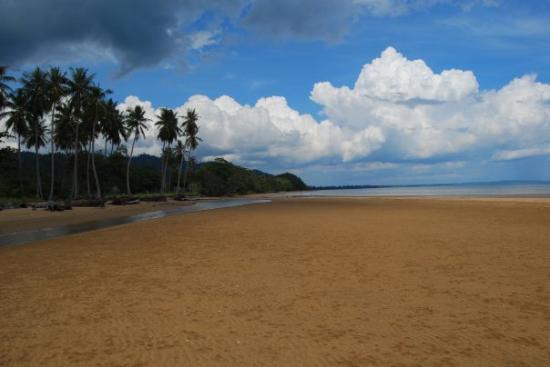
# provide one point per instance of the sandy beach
(297, 282)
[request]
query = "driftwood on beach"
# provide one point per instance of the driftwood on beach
(95, 203)
(156, 198)
(181, 198)
(125, 201)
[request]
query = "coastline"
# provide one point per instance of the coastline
(296, 282)
(21, 220)
(16, 220)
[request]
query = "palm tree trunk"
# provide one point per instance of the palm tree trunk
(128, 168)
(75, 170)
(166, 175)
(38, 181)
(88, 187)
(112, 147)
(94, 170)
(37, 162)
(179, 171)
(105, 149)
(19, 164)
(52, 179)
(186, 170)
(162, 162)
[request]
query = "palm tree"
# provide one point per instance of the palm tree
(57, 89)
(168, 132)
(180, 155)
(95, 103)
(17, 123)
(113, 127)
(79, 89)
(191, 130)
(135, 122)
(35, 91)
(37, 140)
(64, 127)
(4, 87)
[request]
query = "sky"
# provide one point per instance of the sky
(345, 92)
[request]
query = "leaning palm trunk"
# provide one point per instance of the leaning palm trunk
(75, 170)
(52, 179)
(128, 168)
(94, 170)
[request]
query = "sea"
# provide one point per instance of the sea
(492, 189)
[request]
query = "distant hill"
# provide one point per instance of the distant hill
(221, 177)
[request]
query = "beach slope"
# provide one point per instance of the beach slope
(298, 282)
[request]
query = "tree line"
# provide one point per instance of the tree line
(81, 114)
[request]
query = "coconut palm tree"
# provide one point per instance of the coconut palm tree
(56, 86)
(168, 132)
(4, 87)
(113, 127)
(34, 86)
(17, 124)
(36, 139)
(95, 104)
(64, 127)
(79, 88)
(136, 123)
(191, 130)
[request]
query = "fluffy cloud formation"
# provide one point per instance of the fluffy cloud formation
(398, 113)
(392, 77)
(423, 114)
(266, 132)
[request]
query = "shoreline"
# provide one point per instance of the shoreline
(13, 221)
(25, 219)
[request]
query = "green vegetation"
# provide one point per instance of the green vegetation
(68, 113)
(217, 178)
(223, 178)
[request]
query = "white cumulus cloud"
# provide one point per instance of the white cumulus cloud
(399, 110)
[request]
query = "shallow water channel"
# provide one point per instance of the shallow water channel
(19, 238)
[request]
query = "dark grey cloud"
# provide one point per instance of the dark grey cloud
(138, 33)
(326, 20)
(142, 33)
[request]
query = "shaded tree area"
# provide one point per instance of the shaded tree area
(217, 178)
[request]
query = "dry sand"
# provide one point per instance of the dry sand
(298, 282)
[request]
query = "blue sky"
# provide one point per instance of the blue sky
(476, 125)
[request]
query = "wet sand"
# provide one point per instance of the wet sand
(298, 282)
(15, 220)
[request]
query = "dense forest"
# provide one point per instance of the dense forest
(216, 178)
(91, 145)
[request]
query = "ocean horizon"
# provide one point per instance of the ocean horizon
(477, 189)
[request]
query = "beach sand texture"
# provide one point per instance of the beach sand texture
(298, 282)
